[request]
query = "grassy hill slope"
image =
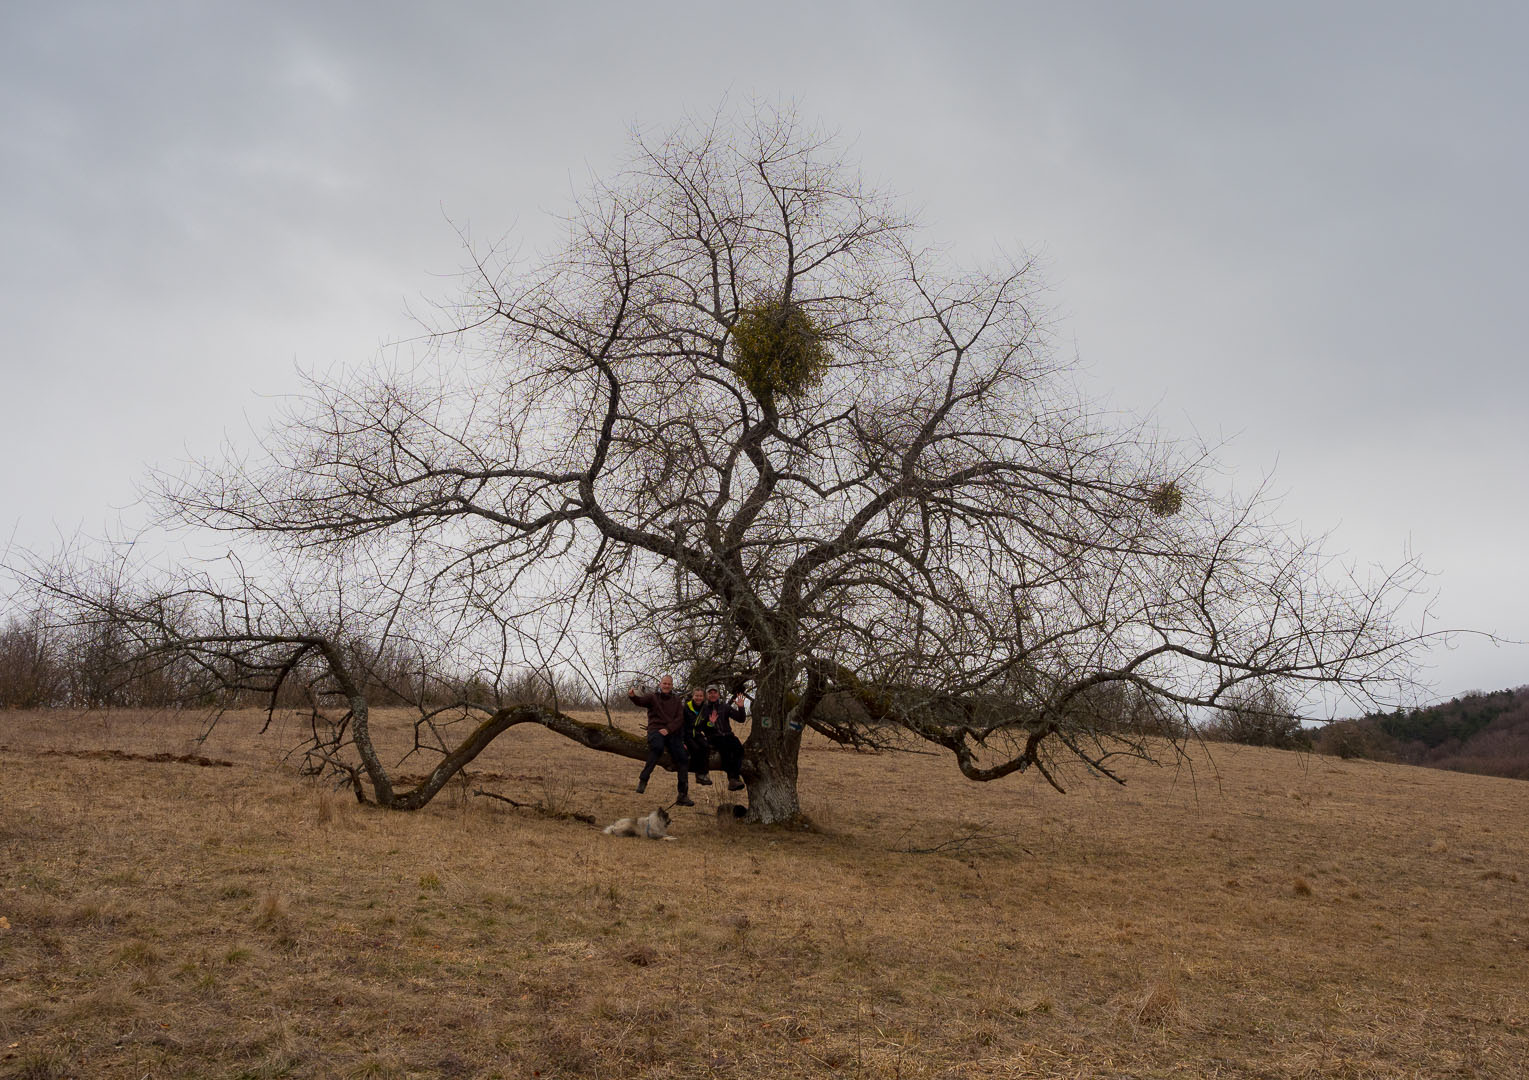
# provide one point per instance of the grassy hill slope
(1252, 913)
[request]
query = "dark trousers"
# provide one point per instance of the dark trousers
(673, 743)
(698, 751)
(730, 753)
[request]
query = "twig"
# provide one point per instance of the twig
(540, 808)
(959, 843)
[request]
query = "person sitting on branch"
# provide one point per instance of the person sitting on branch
(664, 722)
(719, 718)
(695, 736)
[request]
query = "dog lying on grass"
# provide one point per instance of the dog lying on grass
(655, 826)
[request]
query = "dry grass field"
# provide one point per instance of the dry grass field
(1250, 913)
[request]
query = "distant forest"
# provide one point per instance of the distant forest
(1478, 732)
(48, 664)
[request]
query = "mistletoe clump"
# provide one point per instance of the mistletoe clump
(778, 349)
(1166, 499)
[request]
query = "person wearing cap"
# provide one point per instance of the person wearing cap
(718, 719)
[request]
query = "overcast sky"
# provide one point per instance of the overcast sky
(1302, 228)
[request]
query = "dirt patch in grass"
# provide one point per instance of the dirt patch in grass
(122, 755)
(1261, 914)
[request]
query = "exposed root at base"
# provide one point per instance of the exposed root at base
(797, 822)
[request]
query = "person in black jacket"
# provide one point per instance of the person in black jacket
(719, 719)
(664, 722)
(695, 736)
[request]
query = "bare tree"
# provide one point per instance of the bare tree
(747, 422)
(31, 676)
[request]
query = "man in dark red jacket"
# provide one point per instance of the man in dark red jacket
(665, 719)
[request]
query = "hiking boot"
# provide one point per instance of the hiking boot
(642, 785)
(684, 800)
(735, 784)
(702, 778)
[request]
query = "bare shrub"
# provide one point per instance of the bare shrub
(559, 794)
(1352, 739)
(1258, 716)
(31, 671)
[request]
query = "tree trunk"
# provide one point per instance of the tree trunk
(769, 757)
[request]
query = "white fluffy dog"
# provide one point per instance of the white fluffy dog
(655, 826)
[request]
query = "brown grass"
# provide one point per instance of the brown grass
(179, 921)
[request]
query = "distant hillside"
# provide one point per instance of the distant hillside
(1478, 732)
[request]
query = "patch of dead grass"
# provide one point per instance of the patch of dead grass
(1156, 1004)
(271, 912)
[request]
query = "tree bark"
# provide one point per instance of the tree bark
(770, 757)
